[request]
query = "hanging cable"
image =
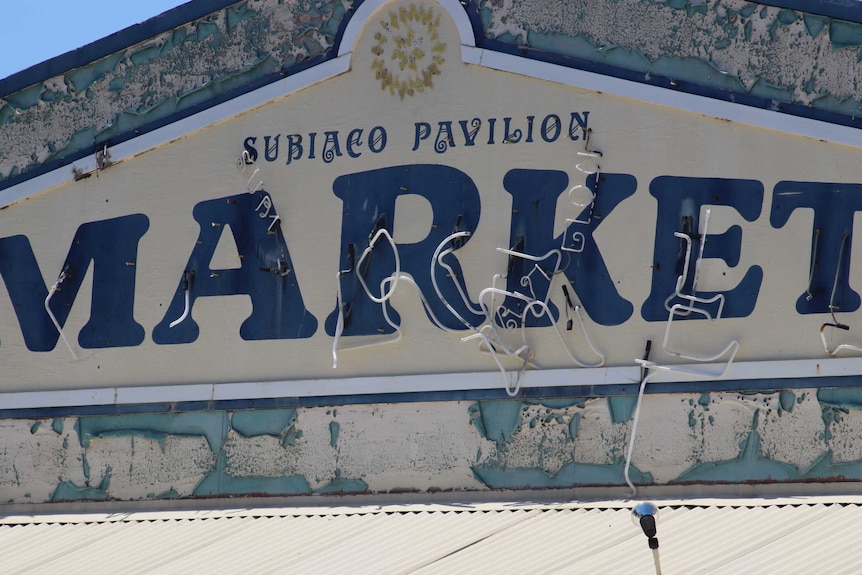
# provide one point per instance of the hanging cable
(645, 377)
(60, 279)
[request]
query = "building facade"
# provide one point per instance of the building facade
(291, 248)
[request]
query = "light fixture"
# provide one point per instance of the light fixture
(644, 516)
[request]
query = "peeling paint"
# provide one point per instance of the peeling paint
(68, 491)
(729, 45)
(749, 464)
(572, 474)
(827, 468)
(726, 437)
(787, 400)
(622, 407)
(334, 429)
(212, 425)
(341, 485)
(497, 420)
(700, 44)
(274, 422)
(165, 75)
(218, 482)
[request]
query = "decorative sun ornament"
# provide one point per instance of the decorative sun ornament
(408, 52)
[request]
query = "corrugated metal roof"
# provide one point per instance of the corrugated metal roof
(735, 537)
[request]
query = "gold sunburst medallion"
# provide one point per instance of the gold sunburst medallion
(408, 50)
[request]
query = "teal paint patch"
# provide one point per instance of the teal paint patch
(829, 102)
(68, 491)
(343, 486)
(508, 38)
(180, 35)
(500, 419)
(846, 397)
(331, 22)
(696, 70)
(7, 112)
(290, 436)
(562, 403)
(208, 91)
(128, 120)
(57, 425)
(82, 78)
(722, 44)
(695, 9)
(826, 468)
(574, 425)
(204, 29)
(219, 483)
(475, 414)
(764, 89)
(485, 17)
(622, 407)
(255, 422)
(24, 99)
(144, 55)
(334, 429)
(814, 24)
(750, 465)
(786, 17)
(35, 427)
(844, 34)
(237, 14)
(831, 414)
(51, 96)
(570, 475)
(211, 425)
(747, 10)
(787, 400)
(703, 400)
(580, 47)
(82, 139)
(169, 494)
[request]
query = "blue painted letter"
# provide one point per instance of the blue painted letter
(266, 274)
(369, 206)
(680, 201)
(534, 205)
(834, 206)
(112, 246)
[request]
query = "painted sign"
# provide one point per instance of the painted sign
(419, 214)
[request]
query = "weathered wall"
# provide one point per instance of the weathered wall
(742, 47)
(782, 55)
(194, 64)
(787, 436)
(791, 436)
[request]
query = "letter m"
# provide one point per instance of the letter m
(112, 246)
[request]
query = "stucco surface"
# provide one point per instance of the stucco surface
(782, 55)
(173, 72)
(459, 446)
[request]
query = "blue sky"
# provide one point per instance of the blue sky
(32, 31)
